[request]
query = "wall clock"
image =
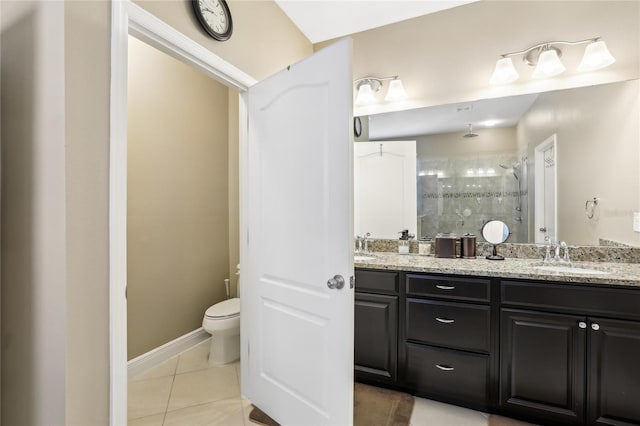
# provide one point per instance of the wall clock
(215, 18)
(357, 127)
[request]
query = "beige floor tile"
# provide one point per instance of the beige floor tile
(196, 358)
(433, 413)
(246, 410)
(167, 368)
(204, 386)
(155, 420)
(237, 366)
(227, 412)
(148, 397)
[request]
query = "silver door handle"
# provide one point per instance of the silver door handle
(582, 324)
(445, 320)
(444, 367)
(337, 282)
(595, 326)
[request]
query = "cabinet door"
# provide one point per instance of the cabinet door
(614, 372)
(543, 365)
(376, 336)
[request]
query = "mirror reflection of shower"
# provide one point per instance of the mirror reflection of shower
(514, 170)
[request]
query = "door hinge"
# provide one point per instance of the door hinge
(352, 281)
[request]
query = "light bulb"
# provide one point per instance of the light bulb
(396, 91)
(596, 56)
(549, 64)
(504, 72)
(365, 95)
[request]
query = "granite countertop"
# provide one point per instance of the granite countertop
(626, 274)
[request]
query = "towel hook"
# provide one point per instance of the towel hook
(590, 207)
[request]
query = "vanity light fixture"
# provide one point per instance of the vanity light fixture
(545, 57)
(368, 86)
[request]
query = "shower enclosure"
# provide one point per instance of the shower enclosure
(460, 194)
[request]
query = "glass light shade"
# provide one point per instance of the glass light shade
(548, 65)
(596, 56)
(365, 95)
(504, 73)
(396, 91)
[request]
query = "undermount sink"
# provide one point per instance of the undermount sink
(362, 258)
(570, 269)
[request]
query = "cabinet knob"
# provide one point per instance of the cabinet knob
(595, 326)
(582, 324)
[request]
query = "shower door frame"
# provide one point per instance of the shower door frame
(540, 192)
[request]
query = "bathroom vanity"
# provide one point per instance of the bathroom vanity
(504, 337)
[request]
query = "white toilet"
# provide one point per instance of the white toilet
(222, 321)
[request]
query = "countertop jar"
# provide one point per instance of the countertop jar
(424, 246)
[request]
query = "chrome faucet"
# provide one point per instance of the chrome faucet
(366, 242)
(565, 248)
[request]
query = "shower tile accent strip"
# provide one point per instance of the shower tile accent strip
(578, 253)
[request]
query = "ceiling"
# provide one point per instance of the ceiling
(500, 112)
(321, 20)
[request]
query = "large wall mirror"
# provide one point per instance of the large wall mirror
(562, 165)
(555, 158)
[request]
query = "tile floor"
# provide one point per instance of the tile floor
(185, 391)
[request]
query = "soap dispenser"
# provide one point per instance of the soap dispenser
(403, 242)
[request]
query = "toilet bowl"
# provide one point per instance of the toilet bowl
(222, 321)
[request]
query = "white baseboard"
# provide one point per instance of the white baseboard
(157, 356)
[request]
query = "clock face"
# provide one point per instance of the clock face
(215, 18)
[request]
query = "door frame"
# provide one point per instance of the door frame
(129, 19)
(539, 185)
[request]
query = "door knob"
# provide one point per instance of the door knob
(582, 324)
(337, 282)
(543, 229)
(595, 326)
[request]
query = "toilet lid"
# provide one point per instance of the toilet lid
(224, 309)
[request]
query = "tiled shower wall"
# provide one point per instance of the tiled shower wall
(460, 194)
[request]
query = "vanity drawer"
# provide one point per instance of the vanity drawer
(473, 289)
(458, 375)
(456, 325)
(583, 299)
(377, 281)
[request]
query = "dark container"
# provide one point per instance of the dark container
(468, 246)
(446, 245)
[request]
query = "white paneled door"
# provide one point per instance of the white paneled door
(297, 302)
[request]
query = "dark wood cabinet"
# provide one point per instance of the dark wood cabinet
(561, 367)
(447, 336)
(543, 363)
(376, 326)
(614, 372)
(376, 336)
(546, 352)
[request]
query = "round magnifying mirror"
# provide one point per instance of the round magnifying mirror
(495, 232)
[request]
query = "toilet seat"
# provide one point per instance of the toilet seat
(223, 310)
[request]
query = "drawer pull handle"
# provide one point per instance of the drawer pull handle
(445, 320)
(444, 367)
(445, 287)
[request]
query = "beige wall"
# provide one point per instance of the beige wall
(82, 340)
(598, 156)
(33, 213)
(449, 56)
(177, 197)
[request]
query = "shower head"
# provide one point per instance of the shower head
(470, 133)
(512, 169)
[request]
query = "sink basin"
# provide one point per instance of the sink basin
(362, 258)
(568, 269)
